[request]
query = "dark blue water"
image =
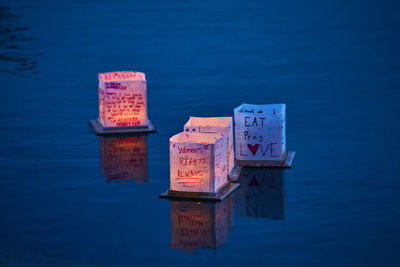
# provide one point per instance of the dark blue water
(65, 200)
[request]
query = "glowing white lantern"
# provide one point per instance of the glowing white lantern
(123, 158)
(260, 135)
(261, 193)
(122, 104)
(200, 225)
(215, 125)
(198, 162)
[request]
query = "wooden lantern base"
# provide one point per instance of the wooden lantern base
(199, 196)
(233, 177)
(286, 163)
(102, 131)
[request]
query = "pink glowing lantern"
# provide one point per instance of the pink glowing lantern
(122, 103)
(198, 162)
(198, 167)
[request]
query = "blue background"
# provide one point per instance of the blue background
(336, 64)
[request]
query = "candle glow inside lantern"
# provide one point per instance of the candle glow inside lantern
(198, 162)
(261, 193)
(200, 225)
(124, 158)
(122, 103)
(260, 136)
(222, 125)
(198, 166)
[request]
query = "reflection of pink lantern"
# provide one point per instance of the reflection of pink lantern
(122, 104)
(198, 166)
(260, 136)
(200, 225)
(124, 158)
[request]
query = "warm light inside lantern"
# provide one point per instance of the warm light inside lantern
(198, 162)
(122, 99)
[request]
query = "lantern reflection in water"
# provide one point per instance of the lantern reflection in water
(261, 193)
(200, 225)
(124, 158)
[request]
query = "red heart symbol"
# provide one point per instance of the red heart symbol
(254, 181)
(253, 149)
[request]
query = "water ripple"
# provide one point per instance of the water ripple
(16, 55)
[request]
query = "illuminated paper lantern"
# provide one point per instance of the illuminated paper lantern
(261, 193)
(124, 158)
(122, 103)
(260, 135)
(198, 162)
(200, 225)
(222, 125)
(198, 167)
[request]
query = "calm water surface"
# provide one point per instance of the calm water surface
(64, 199)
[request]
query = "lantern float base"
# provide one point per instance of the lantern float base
(233, 177)
(100, 130)
(198, 196)
(286, 163)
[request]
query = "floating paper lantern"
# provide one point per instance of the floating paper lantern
(261, 193)
(122, 103)
(200, 225)
(215, 125)
(198, 167)
(124, 158)
(198, 162)
(260, 135)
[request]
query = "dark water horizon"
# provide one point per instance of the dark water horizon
(69, 197)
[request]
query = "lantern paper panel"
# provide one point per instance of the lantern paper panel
(124, 158)
(261, 193)
(122, 99)
(222, 125)
(200, 225)
(198, 162)
(260, 132)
